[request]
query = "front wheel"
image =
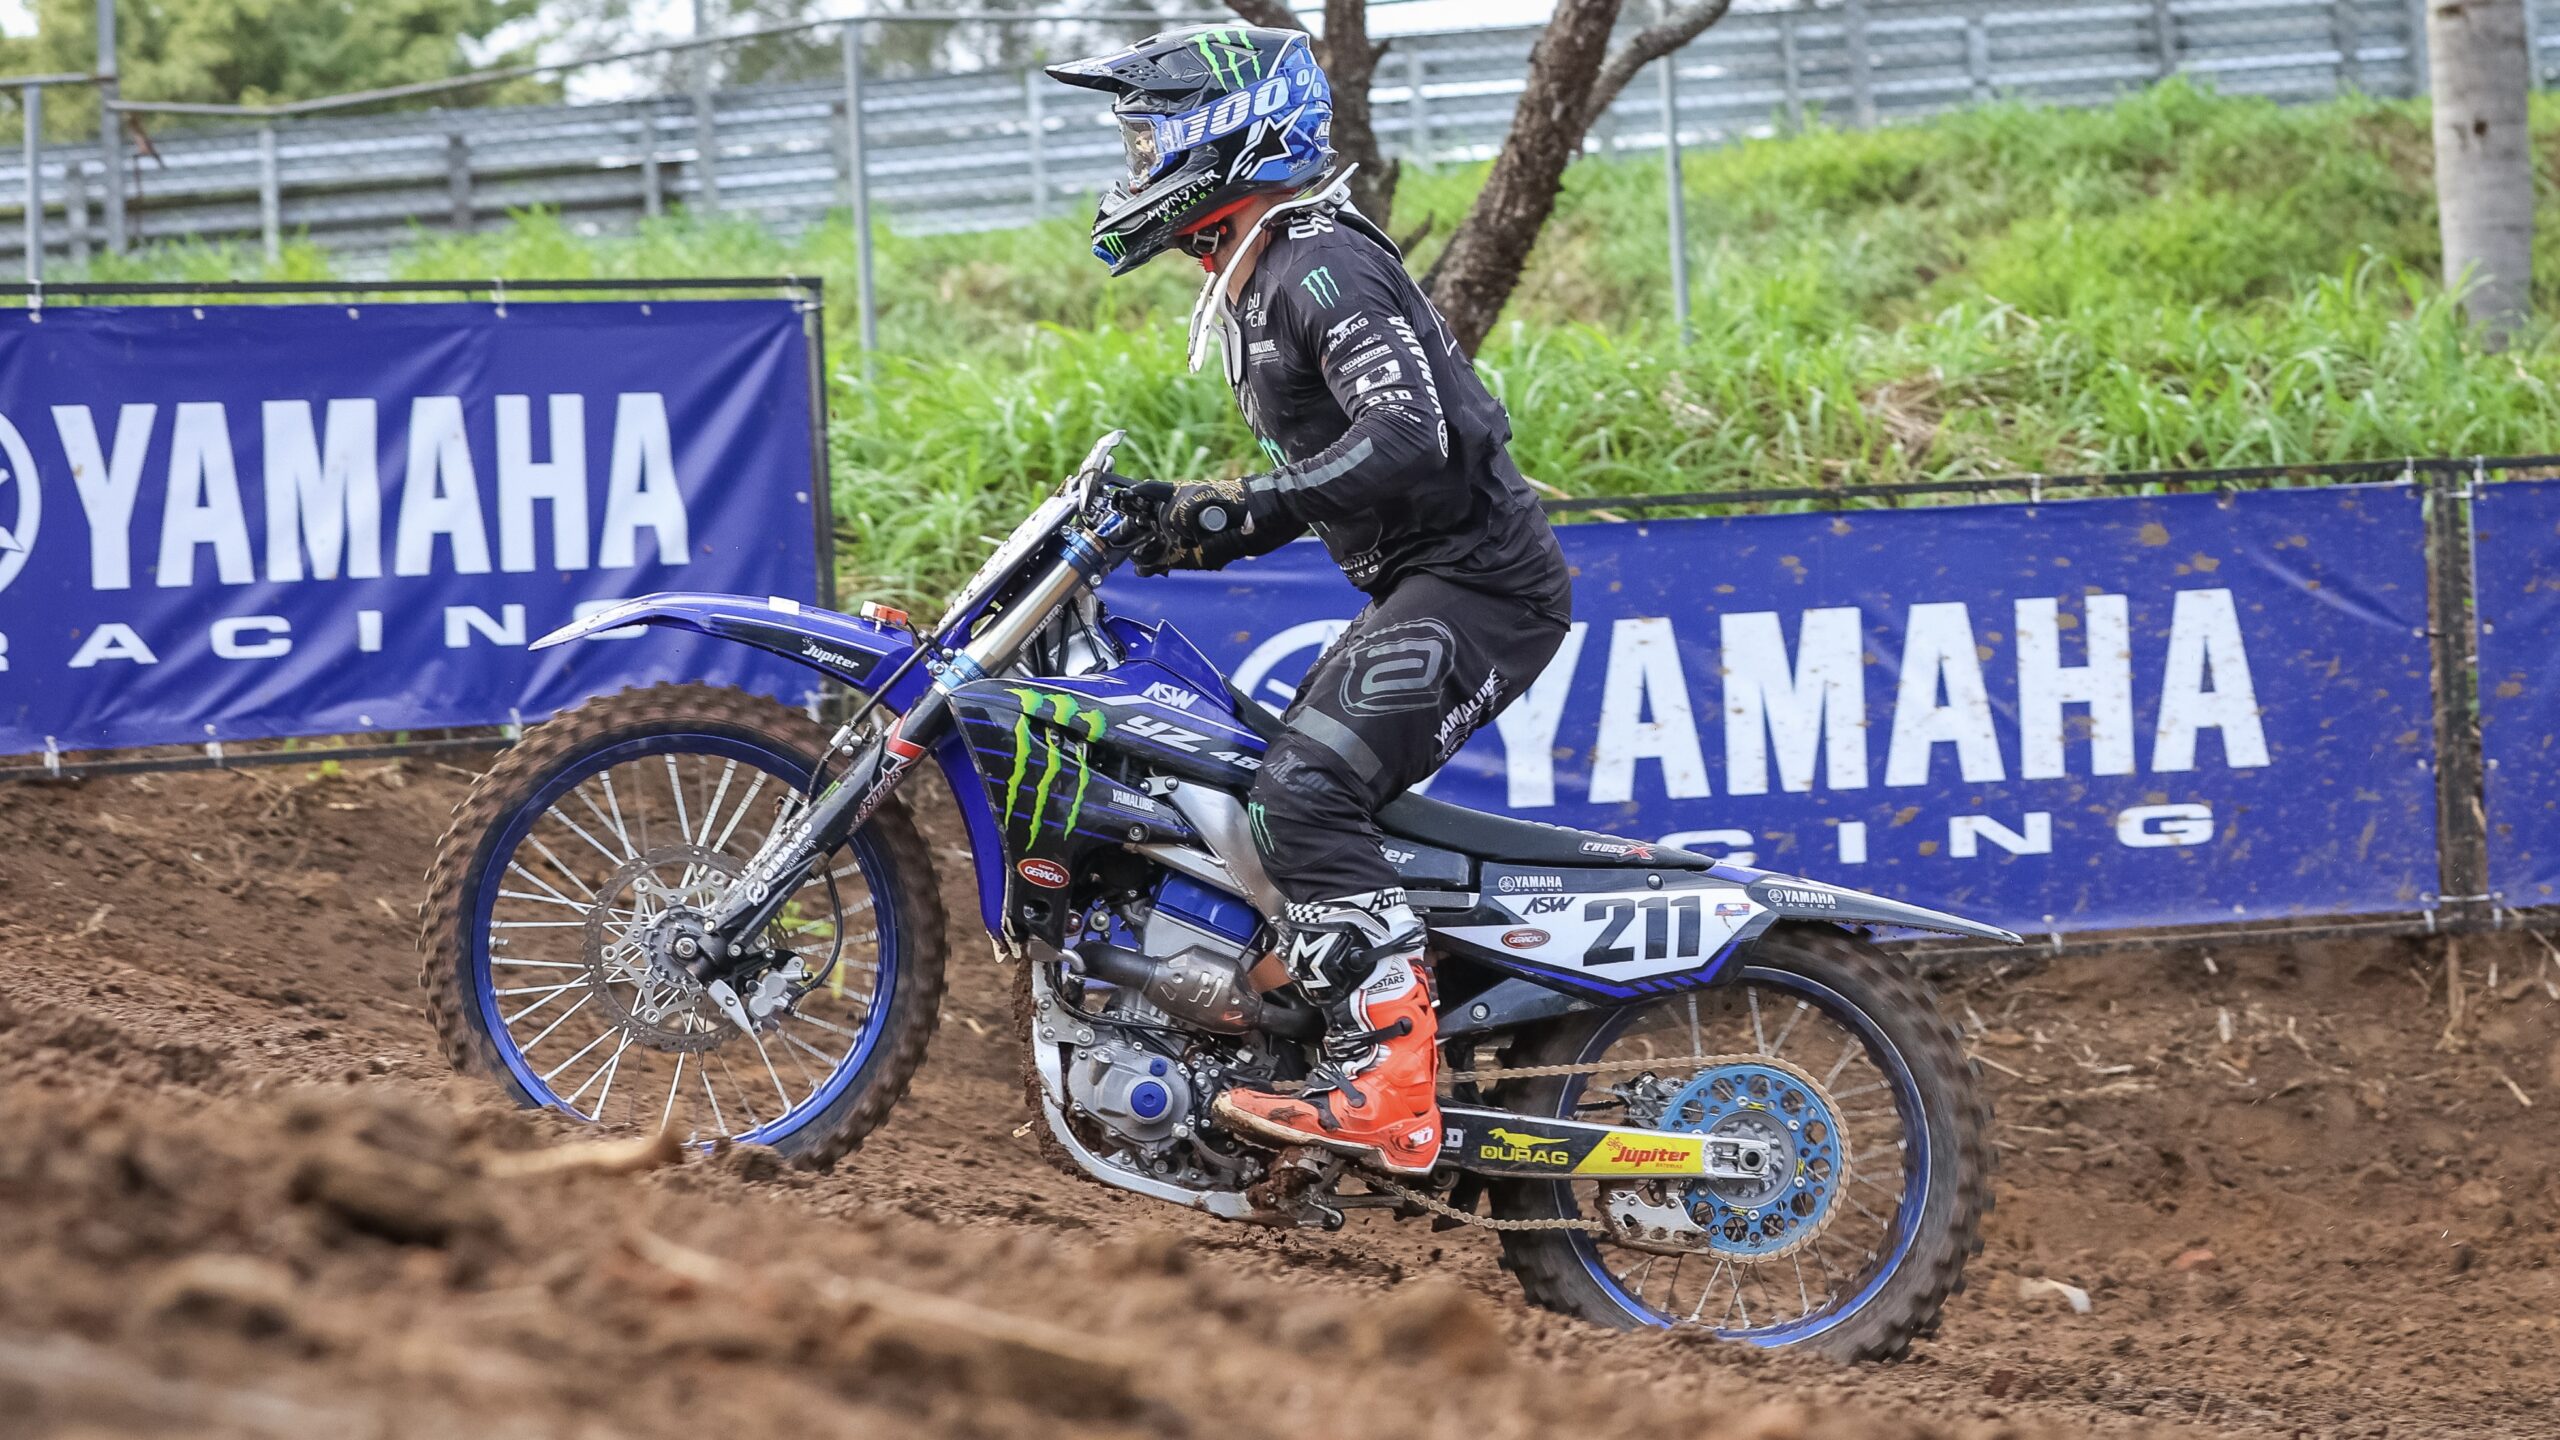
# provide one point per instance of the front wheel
(1820, 1046)
(578, 874)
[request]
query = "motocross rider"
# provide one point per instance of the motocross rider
(1382, 440)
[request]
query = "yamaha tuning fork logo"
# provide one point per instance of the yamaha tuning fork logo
(21, 503)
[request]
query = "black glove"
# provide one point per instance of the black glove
(1197, 526)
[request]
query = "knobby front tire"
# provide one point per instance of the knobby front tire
(606, 819)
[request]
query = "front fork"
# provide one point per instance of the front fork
(787, 856)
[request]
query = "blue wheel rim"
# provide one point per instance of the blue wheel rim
(779, 764)
(1917, 1164)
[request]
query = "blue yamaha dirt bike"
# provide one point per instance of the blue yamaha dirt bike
(1681, 1092)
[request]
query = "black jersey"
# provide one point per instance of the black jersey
(1383, 438)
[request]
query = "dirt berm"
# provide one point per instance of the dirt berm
(239, 1196)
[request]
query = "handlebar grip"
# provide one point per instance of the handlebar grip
(1216, 519)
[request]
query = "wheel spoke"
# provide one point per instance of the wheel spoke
(745, 802)
(675, 787)
(527, 1049)
(1759, 1040)
(667, 1116)
(620, 829)
(832, 1061)
(1778, 1046)
(601, 1037)
(565, 872)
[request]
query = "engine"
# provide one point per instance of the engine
(1187, 972)
(1139, 1094)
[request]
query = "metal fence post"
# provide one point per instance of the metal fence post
(2164, 37)
(110, 128)
(863, 295)
(1977, 51)
(31, 117)
(1862, 80)
(653, 184)
(270, 195)
(1675, 196)
(2532, 46)
(2462, 843)
(2343, 35)
(1791, 70)
(1032, 83)
(2414, 24)
(457, 178)
(75, 209)
(1417, 73)
(706, 122)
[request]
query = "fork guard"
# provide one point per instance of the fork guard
(1500, 1142)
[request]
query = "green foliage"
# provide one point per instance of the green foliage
(2176, 280)
(257, 52)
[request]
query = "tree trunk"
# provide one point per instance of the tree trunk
(1486, 254)
(2481, 75)
(1350, 61)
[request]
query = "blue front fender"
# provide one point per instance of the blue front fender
(858, 652)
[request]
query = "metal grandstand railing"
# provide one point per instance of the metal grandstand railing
(995, 148)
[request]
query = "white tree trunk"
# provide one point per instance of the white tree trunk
(2481, 75)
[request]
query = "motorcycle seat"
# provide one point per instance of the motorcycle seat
(1506, 841)
(1498, 838)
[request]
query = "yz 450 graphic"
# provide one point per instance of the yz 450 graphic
(1681, 1092)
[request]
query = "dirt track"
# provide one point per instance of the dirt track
(240, 1196)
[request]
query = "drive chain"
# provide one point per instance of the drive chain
(1445, 1210)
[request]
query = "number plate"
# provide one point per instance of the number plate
(1609, 925)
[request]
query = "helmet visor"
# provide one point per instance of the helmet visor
(1138, 137)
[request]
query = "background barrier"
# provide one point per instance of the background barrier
(2079, 715)
(2277, 732)
(2518, 563)
(231, 522)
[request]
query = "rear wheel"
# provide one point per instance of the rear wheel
(1821, 1047)
(578, 875)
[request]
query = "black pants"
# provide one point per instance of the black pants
(1423, 668)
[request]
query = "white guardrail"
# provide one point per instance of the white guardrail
(992, 149)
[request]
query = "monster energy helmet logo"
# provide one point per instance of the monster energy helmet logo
(1319, 283)
(1068, 714)
(1112, 245)
(1228, 55)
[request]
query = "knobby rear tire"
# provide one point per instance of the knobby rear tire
(449, 952)
(1552, 1269)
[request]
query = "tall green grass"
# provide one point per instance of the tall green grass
(2175, 280)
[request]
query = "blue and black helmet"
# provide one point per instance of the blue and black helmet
(1211, 117)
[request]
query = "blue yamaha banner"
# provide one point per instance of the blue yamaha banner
(2098, 714)
(2516, 579)
(245, 521)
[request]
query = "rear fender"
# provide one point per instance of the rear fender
(858, 652)
(1789, 897)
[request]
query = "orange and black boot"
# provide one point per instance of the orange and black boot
(1375, 1094)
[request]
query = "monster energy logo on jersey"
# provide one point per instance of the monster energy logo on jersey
(1112, 245)
(1319, 283)
(1271, 452)
(1069, 715)
(1227, 53)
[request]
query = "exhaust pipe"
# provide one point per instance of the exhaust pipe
(1200, 988)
